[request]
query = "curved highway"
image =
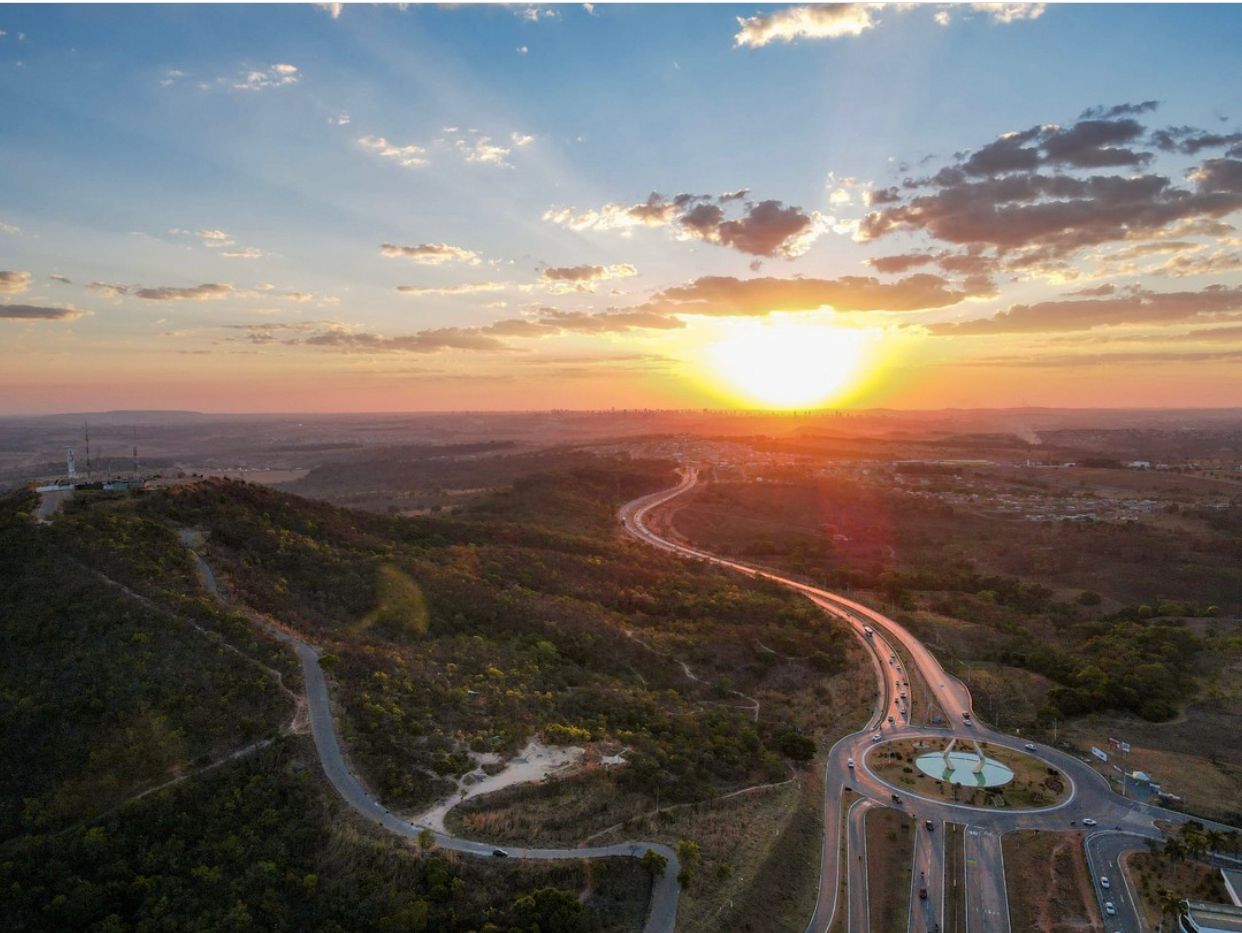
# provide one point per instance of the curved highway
(1129, 823)
(665, 891)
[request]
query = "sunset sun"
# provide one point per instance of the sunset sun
(788, 364)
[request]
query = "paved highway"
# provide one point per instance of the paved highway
(1090, 794)
(662, 911)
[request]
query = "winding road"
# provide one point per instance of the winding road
(1129, 824)
(665, 891)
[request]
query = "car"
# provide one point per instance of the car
(1104, 882)
(1110, 909)
(1087, 821)
(1029, 746)
(876, 737)
(849, 762)
(930, 825)
(500, 853)
(892, 720)
(896, 799)
(922, 894)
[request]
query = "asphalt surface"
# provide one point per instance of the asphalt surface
(665, 892)
(987, 906)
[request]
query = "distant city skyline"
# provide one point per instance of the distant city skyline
(379, 208)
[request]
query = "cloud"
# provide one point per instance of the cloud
(246, 252)
(38, 313)
(208, 291)
(482, 150)
(1010, 12)
(1133, 307)
(278, 75)
(14, 283)
(9, 229)
(172, 76)
(521, 139)
(766, 228)
(825, 21)
(522, 49)
(1103, 112)
(57, 277)
(431, 254)
(583, 278)
(1130, 359)
(726, 295)
(410, 156)
(341, 119)
(332, 9)
(214, 239)
(425, 341)
(109, 289)
(469, 288)
(1219, 176)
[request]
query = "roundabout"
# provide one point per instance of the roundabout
(955, 772)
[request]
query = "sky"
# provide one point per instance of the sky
(404, 208)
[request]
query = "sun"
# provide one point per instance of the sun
(784, 363)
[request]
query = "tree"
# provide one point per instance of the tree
(655, 863)
(426, 840)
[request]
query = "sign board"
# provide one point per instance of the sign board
(1102, 755)
(1125, 747)
(1113, 742)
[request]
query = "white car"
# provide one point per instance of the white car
(1110, 909)
(876, 737)
(1104, 881)
(1029, 746)
(1087, 821)
(850, 763)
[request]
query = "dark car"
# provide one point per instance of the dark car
(930, 825)
(500, 853)
(896, 799)
(922, 894)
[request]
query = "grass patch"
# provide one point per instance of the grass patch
(890, 856)
(1152, 873)
(1049, 887)
(1034, 784)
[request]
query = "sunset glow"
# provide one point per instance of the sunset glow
(787, 364)
(389, 208)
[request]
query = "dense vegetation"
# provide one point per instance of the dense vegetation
(258, 846)
(1008, 578)
(524, 616)
(101, 693)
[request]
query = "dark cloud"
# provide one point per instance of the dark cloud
(1188, 140)
(585, 274)
(1007, 154)
(895, 265)
(1118, 110)
(208, 291)
(726, 295)
(425, 341)
(1219, 176)
(1058, 213)
(766, 228)
(39, 313)
(1136, 307)
(1094, 144)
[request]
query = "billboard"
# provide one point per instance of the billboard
(1102, 755)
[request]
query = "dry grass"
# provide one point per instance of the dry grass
(1190, 758)
(1048, 883)
(1151, 873)
(890, 856)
